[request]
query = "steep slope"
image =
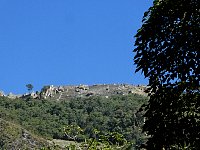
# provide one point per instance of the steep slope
(13, 136)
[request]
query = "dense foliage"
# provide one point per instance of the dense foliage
(167, 52)
(48, 118)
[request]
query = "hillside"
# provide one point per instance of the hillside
(108, 109)
(13, 136)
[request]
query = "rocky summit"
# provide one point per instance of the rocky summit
(73, 91)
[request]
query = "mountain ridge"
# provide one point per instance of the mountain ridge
(73, 91)
(62, 92)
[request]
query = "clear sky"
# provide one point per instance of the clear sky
(67, 42)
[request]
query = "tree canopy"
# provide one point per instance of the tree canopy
(167, 52)
(48, 117)
(29, 87)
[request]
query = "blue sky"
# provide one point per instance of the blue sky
(64, 42)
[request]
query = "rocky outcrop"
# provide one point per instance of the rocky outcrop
(50, 91)
(104, 90)
(71, 91)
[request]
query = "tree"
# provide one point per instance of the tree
(167, 52)
(29, 87)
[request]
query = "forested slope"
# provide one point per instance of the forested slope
(47, 118)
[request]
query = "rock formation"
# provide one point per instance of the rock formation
(105, 90)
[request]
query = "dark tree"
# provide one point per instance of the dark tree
(167, 52)
(29, 87)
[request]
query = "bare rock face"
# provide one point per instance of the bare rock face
(50, 91)
(73, 91)
(104, 90)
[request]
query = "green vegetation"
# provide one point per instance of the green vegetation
(47, 118)
(108, 141)
(13, 136)
(167, 52)
(29, 87)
